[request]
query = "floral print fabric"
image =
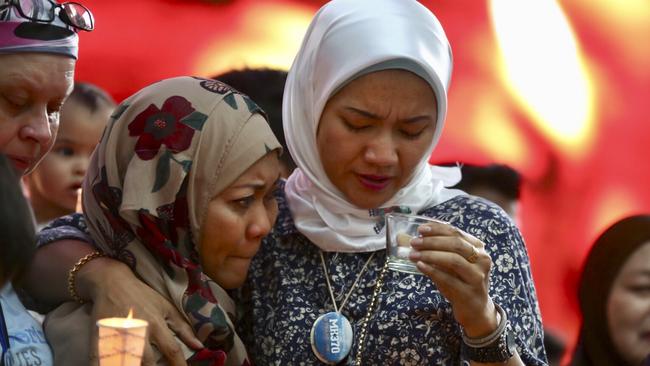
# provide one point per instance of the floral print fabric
(166, 152)
(413, 323)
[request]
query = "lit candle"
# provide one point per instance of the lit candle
(121, 341)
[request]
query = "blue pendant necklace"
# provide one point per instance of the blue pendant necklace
(331, 335)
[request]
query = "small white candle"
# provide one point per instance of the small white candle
(121, 341)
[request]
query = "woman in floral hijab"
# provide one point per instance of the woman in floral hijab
(165, 155)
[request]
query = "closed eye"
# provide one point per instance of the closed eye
(354, 128)
(14, 103)
(412, 135)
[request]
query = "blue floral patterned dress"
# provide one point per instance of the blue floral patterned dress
(412, 324)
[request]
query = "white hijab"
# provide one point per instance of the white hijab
(346, 39)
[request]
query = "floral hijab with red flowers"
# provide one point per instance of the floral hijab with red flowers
(166, 152)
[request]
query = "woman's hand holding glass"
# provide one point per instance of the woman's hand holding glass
(460, 267)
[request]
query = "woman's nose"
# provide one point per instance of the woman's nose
(39, 129)
(262, 222)
(382, 150)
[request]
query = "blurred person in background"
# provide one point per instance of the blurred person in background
(555, 347)
(54, 186)
(498, 183)
(614, 297)
(265, 87)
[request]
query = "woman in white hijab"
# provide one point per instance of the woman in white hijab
(365, 104)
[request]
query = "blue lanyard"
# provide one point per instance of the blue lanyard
(4, 336)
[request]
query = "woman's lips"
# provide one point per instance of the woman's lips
(20, 163)
(374, 182)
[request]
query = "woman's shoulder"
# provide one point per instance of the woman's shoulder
(72, 226)
(468, 209)
(484, 220)
(284, 224)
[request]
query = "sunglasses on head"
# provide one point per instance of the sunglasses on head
(71, 13)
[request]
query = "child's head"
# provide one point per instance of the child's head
(54, 185)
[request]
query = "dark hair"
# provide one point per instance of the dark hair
(90, 96)
(17, 239)
(499, 177)
(604, 261)
(554, 347)
(266, 88)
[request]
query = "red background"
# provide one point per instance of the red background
(572, 190)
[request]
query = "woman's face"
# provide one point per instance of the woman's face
(32, 90)
(236, 221)
(628, 307)
(373, 133)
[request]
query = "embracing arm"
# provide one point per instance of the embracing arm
(113, 289)
(52, 262)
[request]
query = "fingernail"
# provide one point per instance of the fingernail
(424, 229)
(416, 241)
(197, 344)
(415, 255)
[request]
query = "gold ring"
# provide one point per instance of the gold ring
(472, 258)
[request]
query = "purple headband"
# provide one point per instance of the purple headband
(19, 35)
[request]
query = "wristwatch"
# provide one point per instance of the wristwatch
(499, 350)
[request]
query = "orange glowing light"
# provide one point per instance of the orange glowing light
(130, 316)
(626, 14)
(614, 203)
(269, 36)
(543, 69)
(624, 25)
(497, 134)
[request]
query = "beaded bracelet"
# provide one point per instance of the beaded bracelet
(73, 274)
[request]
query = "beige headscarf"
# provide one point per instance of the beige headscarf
(166, 152)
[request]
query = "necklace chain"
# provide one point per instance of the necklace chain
(371, 305)
(371, 309)
(354, 285)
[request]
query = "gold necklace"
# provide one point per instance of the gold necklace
(371, 309)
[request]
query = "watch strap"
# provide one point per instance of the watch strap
(500, 350)
(497, 346)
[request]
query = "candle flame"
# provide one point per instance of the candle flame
(130, 316)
